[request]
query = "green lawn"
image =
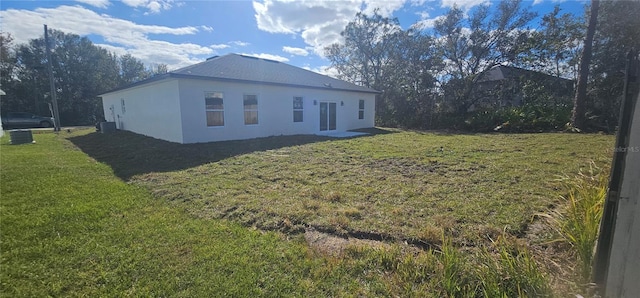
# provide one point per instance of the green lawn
(88, 214)
(396, 185)
(69, 227)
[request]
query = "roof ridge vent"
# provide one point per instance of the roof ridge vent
(212, 57)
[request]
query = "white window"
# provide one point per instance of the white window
(361, 109)
(250, 109)
(214, 106)
(298, 109)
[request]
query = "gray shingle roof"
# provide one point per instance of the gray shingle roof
(240, 68)
(501, 72)
(251, 69)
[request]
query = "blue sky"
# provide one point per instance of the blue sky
(183, 32)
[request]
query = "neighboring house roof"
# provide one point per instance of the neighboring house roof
(246, 69)
(501, 72)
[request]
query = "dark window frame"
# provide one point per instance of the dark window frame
(213, 108)
(298, 110)
(251, 113)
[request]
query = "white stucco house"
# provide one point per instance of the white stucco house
(235, 97)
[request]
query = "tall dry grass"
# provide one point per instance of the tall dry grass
(578, 222)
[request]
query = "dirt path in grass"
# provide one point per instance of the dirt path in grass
(328, 244)
(554, 256)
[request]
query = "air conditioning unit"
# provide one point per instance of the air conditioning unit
(21, 136)
(107, 127)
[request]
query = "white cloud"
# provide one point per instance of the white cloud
(120, 36)
(135, 3)
(223, 46)
(96, 3)
(219, 46)
(423, 14)
(535, 2)
(323, 70)
(385, 8)
(426, 23)
(418, 2)
(465, 5)
(268, 56)
(319, 23)
(207, 28)
(117, 50)
(295, 51)
(154, 6)
(239, 43)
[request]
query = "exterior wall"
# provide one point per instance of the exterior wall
(275, 110)
(624, 263)
(152, 109)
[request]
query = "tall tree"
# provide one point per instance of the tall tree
(377, 53)
(409, 82)
(132, 70)
(365, 52)
(578, 112)
(558, 44)
(81, 71)
(30, 80)
(617, 33)
(7, 57)
(7, 65)
(159, 69)
(471, 46)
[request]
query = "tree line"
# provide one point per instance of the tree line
(429, 78)
(81, 70)
(434, 78)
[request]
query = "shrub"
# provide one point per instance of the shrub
(527, 118)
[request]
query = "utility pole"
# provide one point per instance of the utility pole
(56, 114)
